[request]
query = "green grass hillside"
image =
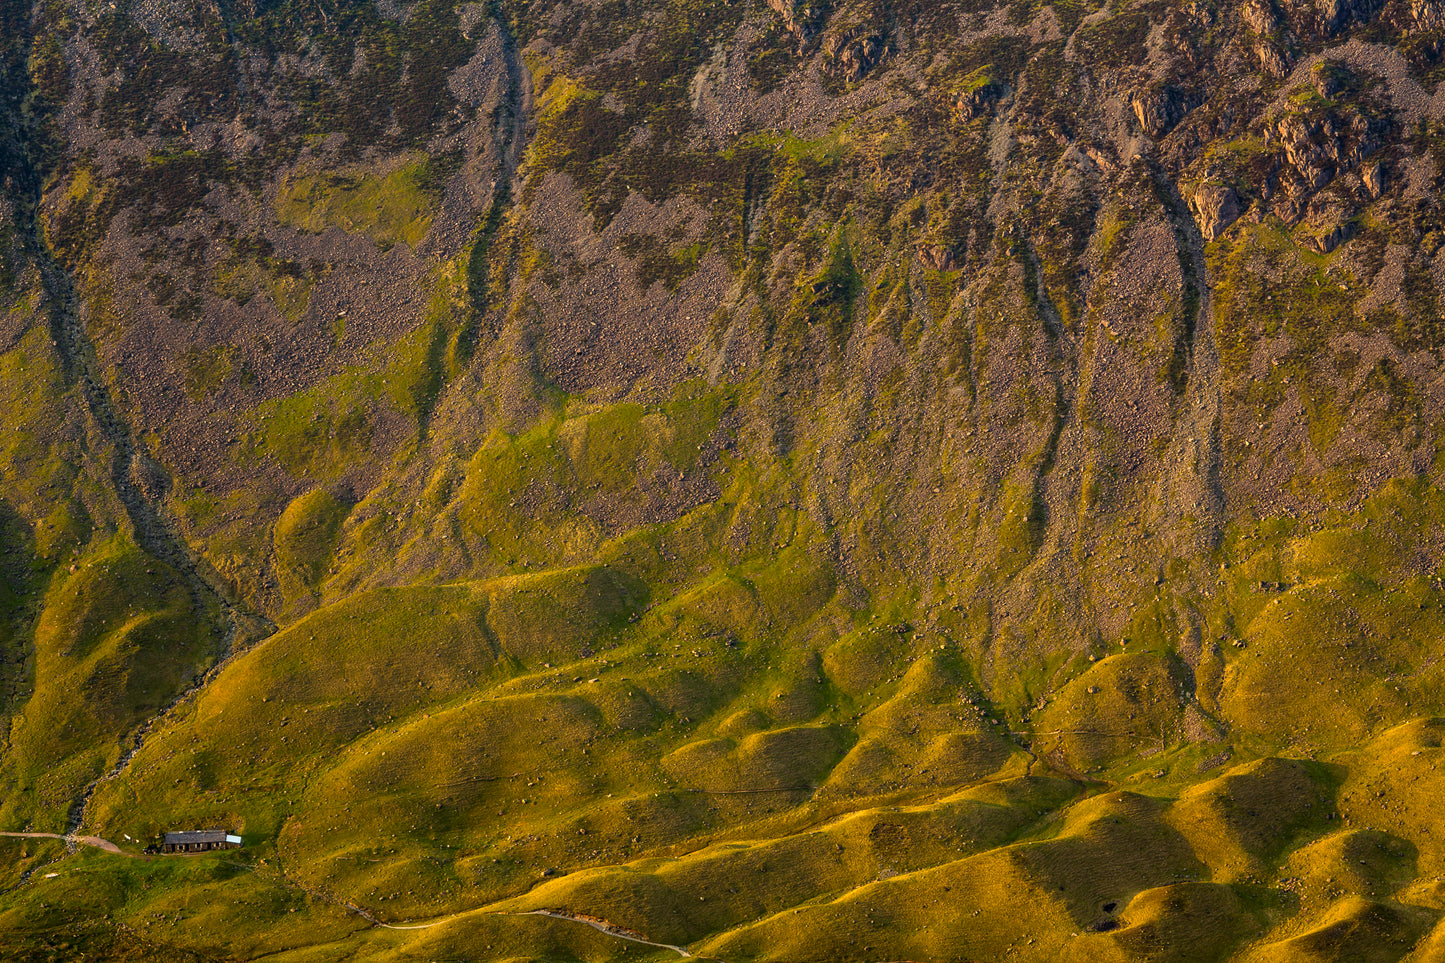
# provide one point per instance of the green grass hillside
(582, 740)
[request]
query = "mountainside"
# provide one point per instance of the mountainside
(860, 480)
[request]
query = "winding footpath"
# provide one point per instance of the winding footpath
(72, 843)
(602, 926)
(70, 839)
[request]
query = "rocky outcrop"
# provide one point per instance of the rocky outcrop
(1160, 107)
(1336, 15)
(1315, 149)
(1273, 59)
(936, 257)
(1372, 180)
(978, 100)
(1214, 207)
(800, 19)
(852, 55)
(1327, 226)
(1426, 15)
(1328, 18)
(1260, 16)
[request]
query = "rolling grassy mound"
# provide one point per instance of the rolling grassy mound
(733, 757)
(581, 738)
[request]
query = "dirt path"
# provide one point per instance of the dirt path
(602, 926)
(372, 919)
(413, 926)
(71, 840)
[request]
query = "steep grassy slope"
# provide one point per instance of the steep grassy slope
(851, 481)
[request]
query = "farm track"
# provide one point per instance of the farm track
(72, 840)
(72, 843)
(611, 929)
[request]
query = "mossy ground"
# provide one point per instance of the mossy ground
(390, 208)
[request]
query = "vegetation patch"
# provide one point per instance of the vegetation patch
(392, 208)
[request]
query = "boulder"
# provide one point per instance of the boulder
(937, 257)
(1372, 179)
(1159, 108)
(1214, 207)
(1260, 16)
(853, 55)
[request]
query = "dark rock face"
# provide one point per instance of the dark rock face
(1160, 108)
(1328, 18)
(801, 19)
(853, 55)
(979, 101)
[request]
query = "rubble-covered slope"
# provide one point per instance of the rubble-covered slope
(857, 480)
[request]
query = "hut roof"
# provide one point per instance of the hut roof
(190, 836)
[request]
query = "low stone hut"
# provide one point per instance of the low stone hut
(199, 841)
